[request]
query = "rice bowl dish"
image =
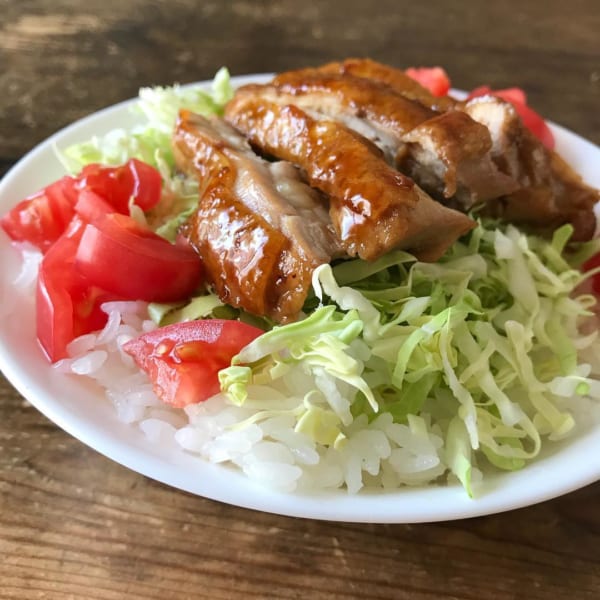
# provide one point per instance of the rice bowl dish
(298, 432)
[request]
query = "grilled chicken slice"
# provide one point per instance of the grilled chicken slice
(259, 229)
(366, 68)
(374, 208)
(454, 148)
(550, 192)
(532, 185)
(370, 99)
(446, 154)
(369, 108)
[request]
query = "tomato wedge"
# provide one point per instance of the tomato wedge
(531, 119)
(67, 305)
(90, 206)
(113, 258)
(43, 217)
(435, 79)
(117, 185)
(183, 360)
(119, 255)
(94, 252)
(593, 263)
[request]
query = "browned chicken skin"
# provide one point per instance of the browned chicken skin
(550, 192)
(446, 154)
(455, 148)
(367, 139)
(374, 208)
(259, 230)
(366, 68)
(545, 191)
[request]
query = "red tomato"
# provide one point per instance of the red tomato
(42, 218)
(183, 360)
(90, 206)
(112, 258)
(127, 259)
(531, 119)
(435, 79)
(594, 263)
(117, 185)
(67, 305)
(62, 195)
(536, 124)
(509, 94)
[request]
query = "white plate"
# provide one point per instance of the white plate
(81, 410)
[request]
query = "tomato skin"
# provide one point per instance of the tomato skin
(183, 360)
(117, 185)
(67, 305)
(435, 79)
(123, 257)
(147, 184)
(593, 263)
(90, 206)
(94, 252)
(31, 220)
(531, 119)
(43, 217)
(121, 261)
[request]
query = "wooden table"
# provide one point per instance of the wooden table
(73, 524)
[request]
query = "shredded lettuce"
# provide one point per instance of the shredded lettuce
(150, 141)
(483, 346)
(156, 111)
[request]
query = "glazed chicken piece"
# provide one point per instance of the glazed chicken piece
(550, 192)
(259, 229)
(546, 191)
(366, 68)
(374, 208)
(454, 148)
(446, 154)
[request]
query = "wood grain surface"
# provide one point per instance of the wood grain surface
(73, 524)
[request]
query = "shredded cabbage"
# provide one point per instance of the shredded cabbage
(156, 109)
(483, 346)
(150, 141)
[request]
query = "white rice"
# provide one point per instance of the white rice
(382, 453)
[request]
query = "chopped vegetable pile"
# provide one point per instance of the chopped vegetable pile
(483, 348)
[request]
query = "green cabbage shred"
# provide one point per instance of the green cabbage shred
(481, 345)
